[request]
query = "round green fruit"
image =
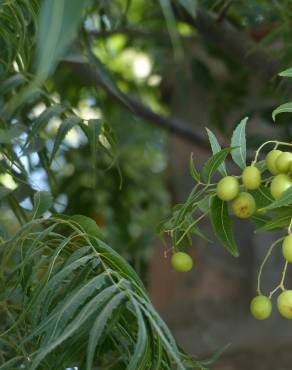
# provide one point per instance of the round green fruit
(271, 161)
(261, 307)
(243, 206)
(251, 177)
(284, 304)
(283, 162)
(227, 188)
(279, 185)
(181, 262)
(287, 248)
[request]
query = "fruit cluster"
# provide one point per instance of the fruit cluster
(243, 205)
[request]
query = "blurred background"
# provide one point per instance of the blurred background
(183, 66)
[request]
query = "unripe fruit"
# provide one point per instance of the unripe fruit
(227, 188)
(284, 304)
(261, 307)
(287, 248)
(279, 185)
(251, 177)
(271, 161)
(181, 262)
(283, 162)
(243, 206)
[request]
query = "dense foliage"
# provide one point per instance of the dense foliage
(73, 140)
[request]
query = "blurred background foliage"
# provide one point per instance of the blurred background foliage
(157, 52)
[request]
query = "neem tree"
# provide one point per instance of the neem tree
(261, 193)
(67, 298)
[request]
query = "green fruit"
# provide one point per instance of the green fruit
(283, 162)
(279, 185)
(287, 248)
(243, 206)
(284, 304)
(271, 161)
(251, 177)
(227, 188)
(181, 262)
(261, 307)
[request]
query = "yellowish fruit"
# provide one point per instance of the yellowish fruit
(287, 248)
(271, 161)
(261, 307)
(181, 262)
(283, 162)
(251, 178)
(279, 185)
(284, 304)
(243, 206)
(227, 188)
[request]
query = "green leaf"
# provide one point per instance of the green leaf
(238, 142)
(286, 73)
(63, 130)
(277, 223)
(262, 196)
(8, 136)
(215, 149)
(284, 108)
(86, 312)
(211, 166)
(8, 365)
(222, 225)
(93, 132)
(193, 171)
(284, 200)
(190, 6)
(11, 83)
(141, 344)
(107, 81)
(42, 202)
(57, 27)
(215, 357)
(259, 220)
(99, 326)
(88, 225)
(42, 120)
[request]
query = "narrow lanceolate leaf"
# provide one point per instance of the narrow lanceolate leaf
(106, 80)
(190, 6)
(262, 196)
(211, 166)
(193, 171)
(215, 149)
(286, 73)
(63, 130)
(93, 130)
(42, 120)
(284, 108)
(222, 225)
(42, 202)
(11, 83)
(62, 18)
(277, 223)
(141, 344)
(9, 364)
(87, 311)
(284, 200)
(238, 142)
(215, 357)
(100, 325)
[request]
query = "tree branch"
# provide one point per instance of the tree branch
(173, 125)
